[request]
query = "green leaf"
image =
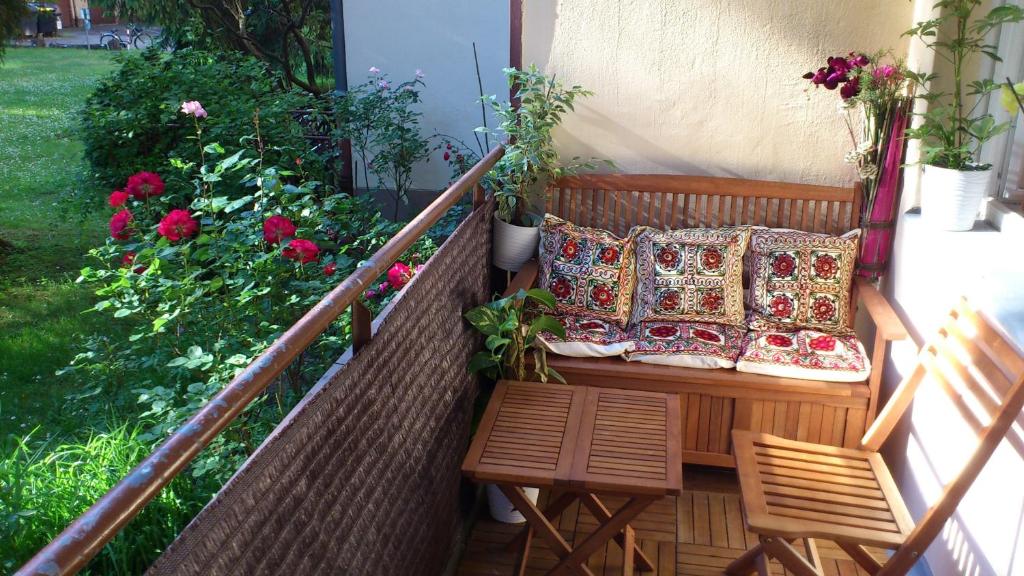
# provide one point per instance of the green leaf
(236, 204)
(122, 312)
(481, 361)
(179, 361)
(547, 324)
(494, 342)
(542, 296)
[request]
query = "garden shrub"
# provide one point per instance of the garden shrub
(44, 487)
(131, 122)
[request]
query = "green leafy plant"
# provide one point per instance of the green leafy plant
(511, 327)
(952, 132)
(530, 159)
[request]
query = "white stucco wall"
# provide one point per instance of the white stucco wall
(708, 87)
(401, 36)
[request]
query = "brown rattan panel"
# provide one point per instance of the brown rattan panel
(363, 476)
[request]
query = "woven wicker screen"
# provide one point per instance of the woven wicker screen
(363, 476)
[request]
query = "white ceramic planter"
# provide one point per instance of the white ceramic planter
(950, 199)
(514, 245)
(502, 509)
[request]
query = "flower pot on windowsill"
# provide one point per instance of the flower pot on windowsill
(514, 245)
(501, 507)
(950, 199)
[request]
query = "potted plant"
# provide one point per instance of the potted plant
(530, 160)
(952, 132)
(511, 325)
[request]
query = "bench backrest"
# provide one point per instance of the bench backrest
(617, 202)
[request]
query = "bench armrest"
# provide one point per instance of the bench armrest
(888, 325)
(524, 279)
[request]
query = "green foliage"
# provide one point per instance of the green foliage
(952, 134)
(131, 122)
(530, 159)
(43, 487)
(511, 328)
(11, 13)
(383, 126)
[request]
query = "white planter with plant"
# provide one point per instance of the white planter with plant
(511, 329)
(952, 133)
(530, 161)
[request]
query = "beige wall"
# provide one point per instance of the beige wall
(698, 87)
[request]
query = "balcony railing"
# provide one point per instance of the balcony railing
(85, 537)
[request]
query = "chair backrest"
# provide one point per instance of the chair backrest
(982, 372)
(617, 202)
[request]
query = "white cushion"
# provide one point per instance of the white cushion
(687, 344)
(587, 338)
(806, 355)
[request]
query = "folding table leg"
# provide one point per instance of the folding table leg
(603, 534)
(553, 510)
(746, 563)
(542, 526)
(524, 557)
(601, 513)
(782, 551)
(628, 550)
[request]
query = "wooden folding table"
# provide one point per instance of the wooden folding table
(580, 442)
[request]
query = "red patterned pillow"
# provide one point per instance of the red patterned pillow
(806, 354)
(588, 338)
(589, 271)
(801, 280)
(693, 275)
(687, 344)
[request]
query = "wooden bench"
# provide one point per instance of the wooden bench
(714, 402)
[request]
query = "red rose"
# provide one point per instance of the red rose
(779, 340)
(120, 225)
(117, 198)
(330, 269)
(602, 295)
(663, 331)
(823, 343)
(609, 255)
(128, 259)
(781, 306)
(668, 257)
(277, 228)
(822, 309)
(561, 288)
(570, 249)
(706, 335)
(302, 250)
(670, 301)
(711, 259)
(399, 275)
(711, 301)
(783, 265)
(144, 185)
(826, 267)
(178, 224)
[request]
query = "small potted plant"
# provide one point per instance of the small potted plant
(952, 133)
(511, 326)
(530, 160)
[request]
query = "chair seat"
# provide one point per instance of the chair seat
(796, 489)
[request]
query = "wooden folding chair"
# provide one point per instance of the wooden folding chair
(796, 491)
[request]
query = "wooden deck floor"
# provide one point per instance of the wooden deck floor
(697, 534)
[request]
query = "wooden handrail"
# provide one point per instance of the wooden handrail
(87, 535)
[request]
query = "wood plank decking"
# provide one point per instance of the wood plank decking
(696, 534)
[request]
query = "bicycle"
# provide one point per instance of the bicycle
(138, 38)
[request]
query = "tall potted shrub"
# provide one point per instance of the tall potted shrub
(530, 160)
(952, 132)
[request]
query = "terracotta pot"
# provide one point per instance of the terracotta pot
(501, 507)
(950, 199)
(514, 245)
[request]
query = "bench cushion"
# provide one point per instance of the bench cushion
(805, 354)
(589, 271)
(588, 338)
(801, 280)
(690, 275)
(687, 344)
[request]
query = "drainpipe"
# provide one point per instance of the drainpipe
(341, 86)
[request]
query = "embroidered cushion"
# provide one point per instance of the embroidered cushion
(588, 338)
(687, 344)
(801, 280)
(589, 271)
(691, 275)
(805, 354)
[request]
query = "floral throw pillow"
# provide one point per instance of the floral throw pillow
(801, 280)
(686, 344)
(588, 338)
(691, 275)
(805, 354)
(589, 271)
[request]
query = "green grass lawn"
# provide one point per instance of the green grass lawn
(41, 191)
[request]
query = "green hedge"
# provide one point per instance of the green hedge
(132, 122)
